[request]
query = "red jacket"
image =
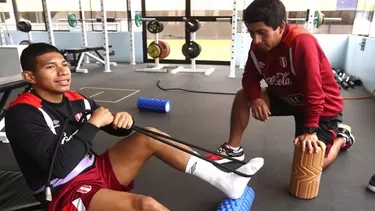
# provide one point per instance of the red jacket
(307, 84)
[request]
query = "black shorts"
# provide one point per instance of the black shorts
(327, 125)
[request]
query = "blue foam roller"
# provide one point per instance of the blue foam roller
(153, 104)
(244, 203)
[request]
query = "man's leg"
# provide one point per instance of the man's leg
(129, 155)
(240, 116)
(343, 140)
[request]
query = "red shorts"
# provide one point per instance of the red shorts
(77, 193)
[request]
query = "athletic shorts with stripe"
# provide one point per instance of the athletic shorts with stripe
(327, 126)
(77, 193)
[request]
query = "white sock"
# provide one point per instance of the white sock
(231, 184)
(234, 148)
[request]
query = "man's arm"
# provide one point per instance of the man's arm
(251, 80)
(306, 56)
(27, 130)
(109, 128)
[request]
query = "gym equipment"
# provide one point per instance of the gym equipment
(138, 19)
(7, 85)
(24, 26)
(154, 50)
(241, 204)
(82, 52)
(73, 20)
(165, 49)
(158, 49)
(15, 194)
(343, 83)
(351, 80)
(153, 104)
(155, 27)
(191, 50)
(306, 172)
(192, 24)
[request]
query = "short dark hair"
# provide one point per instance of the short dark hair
(271, 12)
(30, 53)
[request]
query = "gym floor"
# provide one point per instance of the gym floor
(203, 120)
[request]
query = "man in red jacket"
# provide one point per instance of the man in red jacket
(300, 84)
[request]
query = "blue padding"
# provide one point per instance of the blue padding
(153, 104)
(244, 203)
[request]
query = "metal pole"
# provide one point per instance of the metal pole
(243, 37)
(47, 16)
(232, 72)
(16, 12)
(105, 37)
(131, 17)
(3, 42)
(83, 29)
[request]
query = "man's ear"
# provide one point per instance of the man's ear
(282, 27)
(29, 76)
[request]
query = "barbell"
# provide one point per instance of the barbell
(73, 20)
(320, 19)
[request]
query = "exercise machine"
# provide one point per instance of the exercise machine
(85, 50)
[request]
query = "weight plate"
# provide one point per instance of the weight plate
(191, 50)
(25, 42)
(319, 19)
(154, 50)
(154, 27)
(165, 49)
(138, 19)
(24, 26)
(193, 25)
(161, 27)
(72, 20)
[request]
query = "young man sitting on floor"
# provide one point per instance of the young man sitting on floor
(82, 180)
(300, 84)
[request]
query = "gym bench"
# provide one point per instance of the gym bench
(82, 52)
(7, 85)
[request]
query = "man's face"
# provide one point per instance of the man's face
(264, 36)
(52, 74)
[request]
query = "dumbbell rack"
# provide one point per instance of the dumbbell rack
(193, 68)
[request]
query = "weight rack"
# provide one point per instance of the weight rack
(193, 68)
(157, 67)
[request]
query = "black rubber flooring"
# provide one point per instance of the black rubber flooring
(203, 120)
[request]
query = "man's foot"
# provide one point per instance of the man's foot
(371, 184)
(225, 149)
(234, 184)
(344, 131)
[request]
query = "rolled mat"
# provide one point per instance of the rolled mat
(306, 172)
(243, 203)
(153, 104)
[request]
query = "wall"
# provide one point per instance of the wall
(120, 42)
(361, 63)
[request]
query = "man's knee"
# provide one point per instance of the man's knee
(148, 138)
(148, 203)
(242, 97)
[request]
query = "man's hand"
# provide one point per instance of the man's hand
(309, 141)
(101, 117)
(260, 110)
(122, 120)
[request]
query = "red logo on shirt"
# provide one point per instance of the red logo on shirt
(283, 62)
(84, 189)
